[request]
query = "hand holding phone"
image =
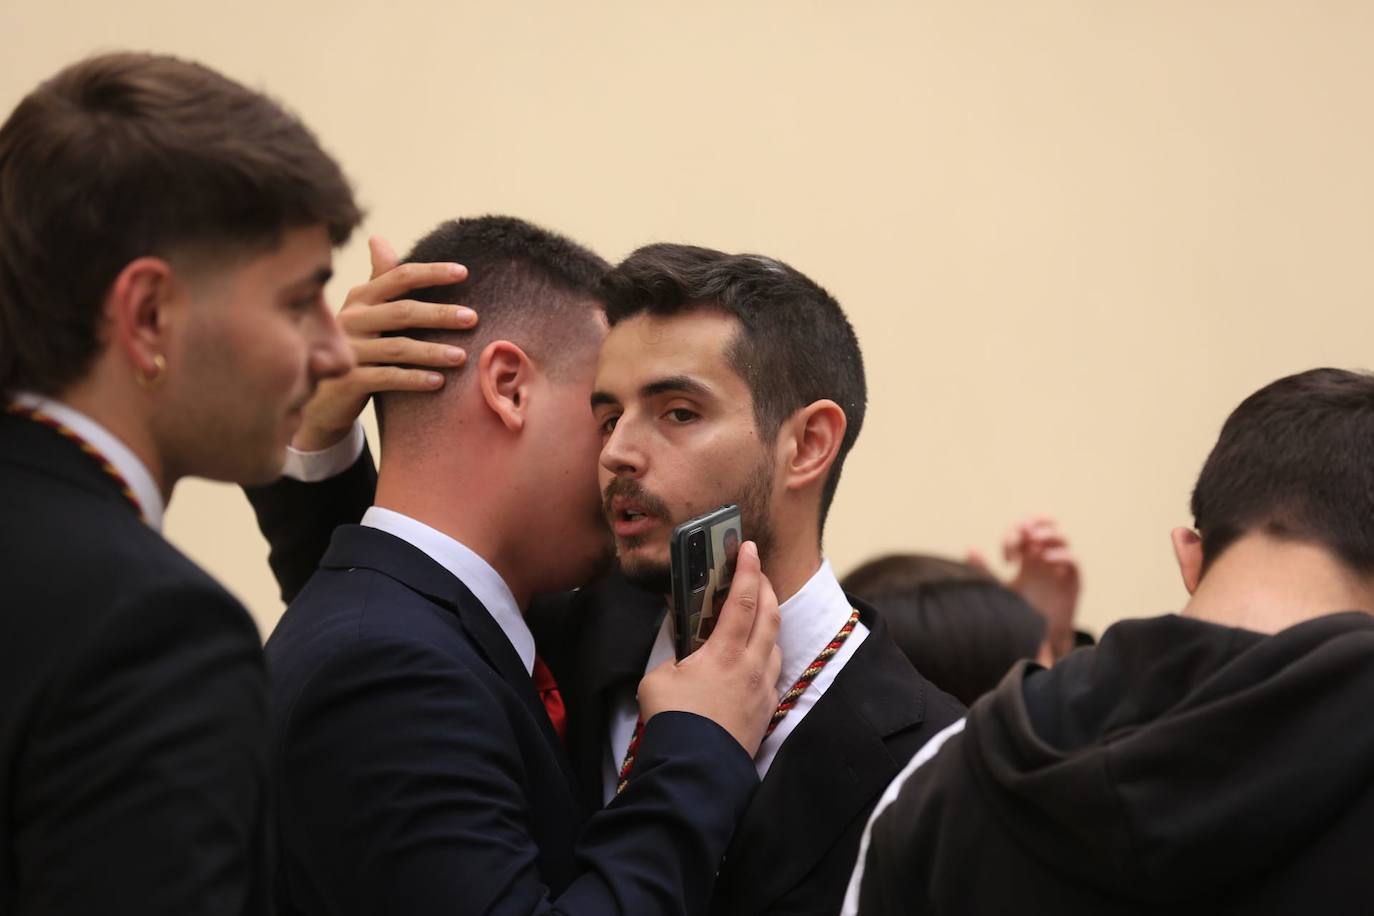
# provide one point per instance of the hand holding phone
(732, 680)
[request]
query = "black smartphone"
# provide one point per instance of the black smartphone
(703, 560)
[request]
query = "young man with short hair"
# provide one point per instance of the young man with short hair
(165, 238)
(736, 379)
(1213, 762)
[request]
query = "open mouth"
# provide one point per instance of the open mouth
(630, 519)
(631, 511)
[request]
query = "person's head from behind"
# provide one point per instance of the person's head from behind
(516, 413)
(724, 379)
(1291, 476)
(960, 627)
(165, 238)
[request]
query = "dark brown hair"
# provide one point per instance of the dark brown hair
(1295, 460)
(796, 346)
(128, 155)
(960, 627)
(529, 285)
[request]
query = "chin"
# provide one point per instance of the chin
(267, 469)
(646, 574)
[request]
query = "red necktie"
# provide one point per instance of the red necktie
(547, 688)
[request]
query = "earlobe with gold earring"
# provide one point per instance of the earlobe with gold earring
(159, 372)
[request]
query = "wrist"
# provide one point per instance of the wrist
(317, 439)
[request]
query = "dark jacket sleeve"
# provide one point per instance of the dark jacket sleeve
(144, 779)
(298, 518)
(397, 756)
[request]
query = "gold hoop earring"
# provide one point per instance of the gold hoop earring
(159, 370)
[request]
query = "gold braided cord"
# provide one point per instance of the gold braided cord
(91, 451)
(789, 699)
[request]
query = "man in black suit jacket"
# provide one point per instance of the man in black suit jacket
(164, 239)
(419, 752)
(722, 380)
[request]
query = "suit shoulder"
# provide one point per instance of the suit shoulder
(86, 565)
(886, 688)
(361, 623)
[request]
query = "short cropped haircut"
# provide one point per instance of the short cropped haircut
(959, 627)
(796, 346)
(529, 285)
(1295, 461)
(128, 155)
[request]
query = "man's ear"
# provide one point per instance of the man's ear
(1188, 552)
(812, 442)
(504, 373)
(137, 307)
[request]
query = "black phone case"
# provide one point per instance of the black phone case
(690, 604)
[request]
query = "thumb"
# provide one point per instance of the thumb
(383, 255)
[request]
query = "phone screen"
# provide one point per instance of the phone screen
(703, 560)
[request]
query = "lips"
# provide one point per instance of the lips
(630, 518)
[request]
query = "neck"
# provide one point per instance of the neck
(120, 408)
(795, 553)
(457, 494)
(788, 571)
(1266, 585)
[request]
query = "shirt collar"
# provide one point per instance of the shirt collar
(477, 574)
(134, 471)
(810, 620)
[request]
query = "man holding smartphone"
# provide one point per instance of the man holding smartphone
(723, 379)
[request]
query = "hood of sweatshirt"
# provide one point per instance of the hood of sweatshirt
(1180, 757)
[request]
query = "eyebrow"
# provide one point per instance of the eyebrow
(604, 399)
(682, 383)
(674, 383)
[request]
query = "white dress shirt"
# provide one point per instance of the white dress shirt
(134, 471)
(322, 464)
(467, 567)
(810, 620)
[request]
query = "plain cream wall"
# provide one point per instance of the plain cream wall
(1072, 235)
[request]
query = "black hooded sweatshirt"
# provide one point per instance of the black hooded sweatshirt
(1179, 767)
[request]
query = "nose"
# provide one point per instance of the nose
(331, 354)
(620, 454)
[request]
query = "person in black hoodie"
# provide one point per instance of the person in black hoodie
(1219, 761)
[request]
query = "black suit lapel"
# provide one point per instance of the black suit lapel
(26, 443)
(622, 623)
(829, 772)
(371, 548)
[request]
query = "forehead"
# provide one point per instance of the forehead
(645, 348)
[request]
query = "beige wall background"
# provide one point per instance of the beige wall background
(1071, 235)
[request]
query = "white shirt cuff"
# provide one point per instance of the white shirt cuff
(312, 467)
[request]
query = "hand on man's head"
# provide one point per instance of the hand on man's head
(370, 315)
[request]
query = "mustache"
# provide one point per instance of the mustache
(627, 488)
